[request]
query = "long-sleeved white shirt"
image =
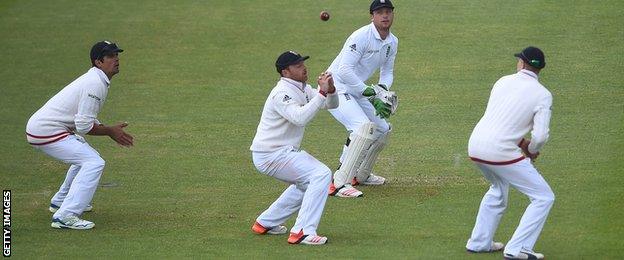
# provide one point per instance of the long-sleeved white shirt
(289, 107)
(72, 110)
(518, 104)
(362, 54)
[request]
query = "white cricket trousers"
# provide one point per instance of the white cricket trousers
(352, 113)
(82, 177)
(310, 181)
(525, 178)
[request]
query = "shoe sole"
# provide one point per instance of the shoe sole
(373, 183)
(347, 196)
(53, 210)
(63, 226)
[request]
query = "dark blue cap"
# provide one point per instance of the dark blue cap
(377, 4)
(532, 56)
(103, 48)
(288, 58)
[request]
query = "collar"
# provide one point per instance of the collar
(297, 84)
(528, 73)
(102, 75)
(376, 33)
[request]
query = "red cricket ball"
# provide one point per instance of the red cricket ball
(324, 15)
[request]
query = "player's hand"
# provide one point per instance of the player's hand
(326, 82)
(382, 109)
(117, 133)
(524, 145)
(373, 90)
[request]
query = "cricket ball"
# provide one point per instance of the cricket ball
(324, 15)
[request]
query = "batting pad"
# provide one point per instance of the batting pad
(361, 141)
(366, 167)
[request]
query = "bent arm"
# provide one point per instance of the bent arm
(88, 108)
(386, 72)
(541, 122)
(352, 52)
(298, 114)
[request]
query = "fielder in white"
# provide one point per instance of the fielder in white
(518, 104)
(276, 151)
(364, 109)
(56, 129)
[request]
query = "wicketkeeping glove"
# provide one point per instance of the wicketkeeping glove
(382, 109)
(381, 93)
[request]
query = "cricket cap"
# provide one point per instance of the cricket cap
(532, 56)
(288, 58)
(377, 4)
(103, 48)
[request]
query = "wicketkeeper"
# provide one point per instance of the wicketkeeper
(364, 109)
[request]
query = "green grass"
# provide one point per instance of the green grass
(193, 80)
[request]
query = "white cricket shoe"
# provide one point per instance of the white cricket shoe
(72, 222)
(346, 191)
(496, 246)
(53, 208)
(524, 255)
(300, 238)
(261, 230)
(374, 180)
(371, 180)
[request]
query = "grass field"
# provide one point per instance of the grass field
(193, 80)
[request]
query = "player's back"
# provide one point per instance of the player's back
(513, 101)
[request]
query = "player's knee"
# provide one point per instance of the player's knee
(324, 174)
(550, 198)
(95, 163)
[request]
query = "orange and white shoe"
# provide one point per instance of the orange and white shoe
(300, 238)
(346, 191)
(276, 230)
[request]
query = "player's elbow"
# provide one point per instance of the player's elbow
(345, 69)
(83, 126)
(300, 122)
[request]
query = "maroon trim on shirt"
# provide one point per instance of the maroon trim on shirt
(47, 136)
(497, 163)
(52, 141)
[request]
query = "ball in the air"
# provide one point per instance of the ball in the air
(324, 15)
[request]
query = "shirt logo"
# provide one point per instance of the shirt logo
(353, 47)
(286, 98)
(94, 97)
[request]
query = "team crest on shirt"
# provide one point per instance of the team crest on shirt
(286, 99)
(353, 47)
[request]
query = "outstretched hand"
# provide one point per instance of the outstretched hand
(118, 134)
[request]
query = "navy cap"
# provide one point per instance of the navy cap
(532, 56)
(376, 4)
(288, 58)
(103, 48)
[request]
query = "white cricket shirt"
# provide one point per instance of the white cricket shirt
(289, 107)
(362, 54)
(72, 110)
(518, 104)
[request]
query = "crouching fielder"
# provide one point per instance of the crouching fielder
(275, 150)
(56, 127)
(518, 104)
